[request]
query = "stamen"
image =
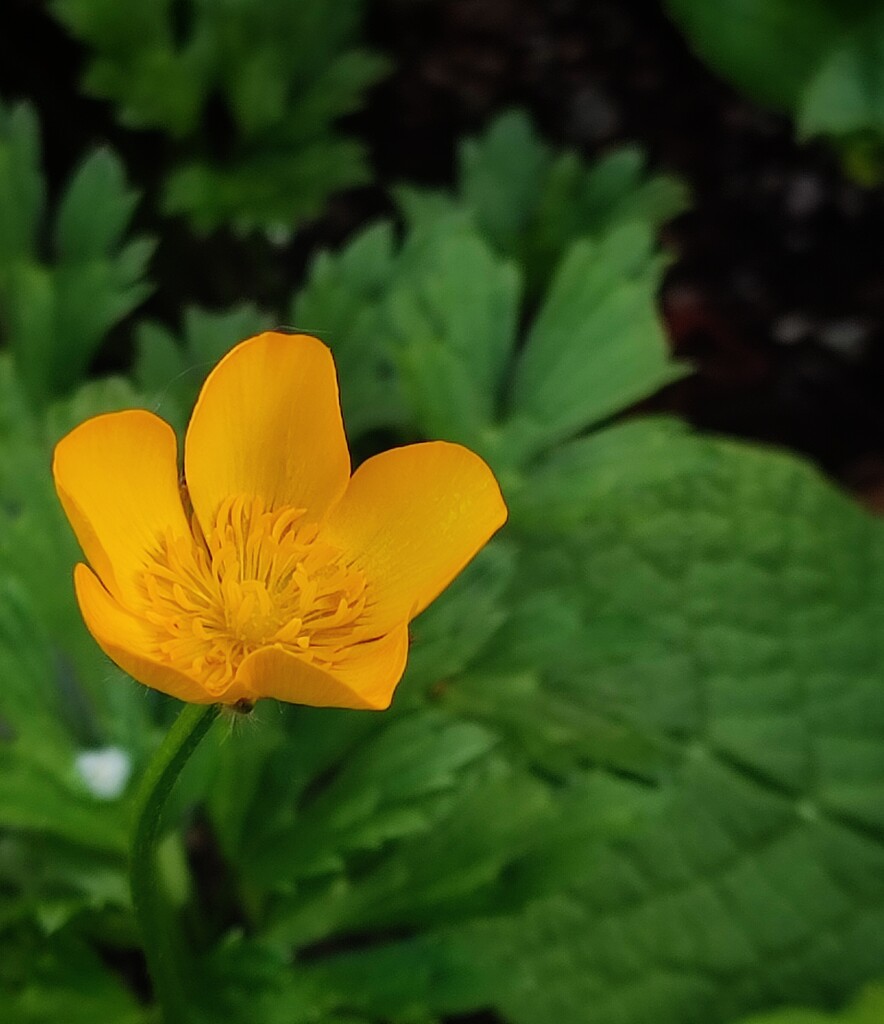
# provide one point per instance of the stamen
(258, 578)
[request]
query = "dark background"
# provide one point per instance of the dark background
(776, 290)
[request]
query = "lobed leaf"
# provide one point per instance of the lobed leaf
(342, 303)
(276, 75)
(596, 345)
(274, 189)
(56, 307)
(453, 316)
(531, 205)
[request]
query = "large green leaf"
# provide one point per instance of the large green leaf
(747, 41)
(816, 59)
(729, 610)
(554, 494)
(846, 95)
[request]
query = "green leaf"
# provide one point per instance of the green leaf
(727, 610)
(387, 787)
(272, 189)
(845, 96)
(137, 63)
(867, 1008)
(454, 317)
(40, 790)
(30, 704)
(37, 554)
(342, 303)
(447, 638)
(558, 731)
(425, 338)
(22, 192)
(36, 546)
(279, 74)
(43, 982)
(34, 798)
(94, 398)
(590, 471)
(744, 40)
(597, 344)
(530, 204)
(172, 368)
(99, 278)
(434, 874)
(95, 210)
(509, 155)
(55, 309)
(245, 980)
(828, 77)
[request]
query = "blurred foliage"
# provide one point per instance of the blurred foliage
(529, 202)
(249, 92)
(868, 1008)
(173, 368)
(635, 769)
(819, 60)
(431, 326)
(58, 300)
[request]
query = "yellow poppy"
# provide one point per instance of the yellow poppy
(269, 571)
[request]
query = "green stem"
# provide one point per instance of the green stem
(163, 945)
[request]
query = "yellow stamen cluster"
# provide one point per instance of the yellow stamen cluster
(258, 578)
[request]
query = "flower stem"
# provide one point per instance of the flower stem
(163, 944)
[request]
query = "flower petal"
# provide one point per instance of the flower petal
(117, 479)
(125, 639)
(411, 519)
(268, 424)
(365, 680)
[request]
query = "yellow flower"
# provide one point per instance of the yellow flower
(270, 571)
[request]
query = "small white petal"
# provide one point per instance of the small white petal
(104, 771)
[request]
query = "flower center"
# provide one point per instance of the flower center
(258, 578)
